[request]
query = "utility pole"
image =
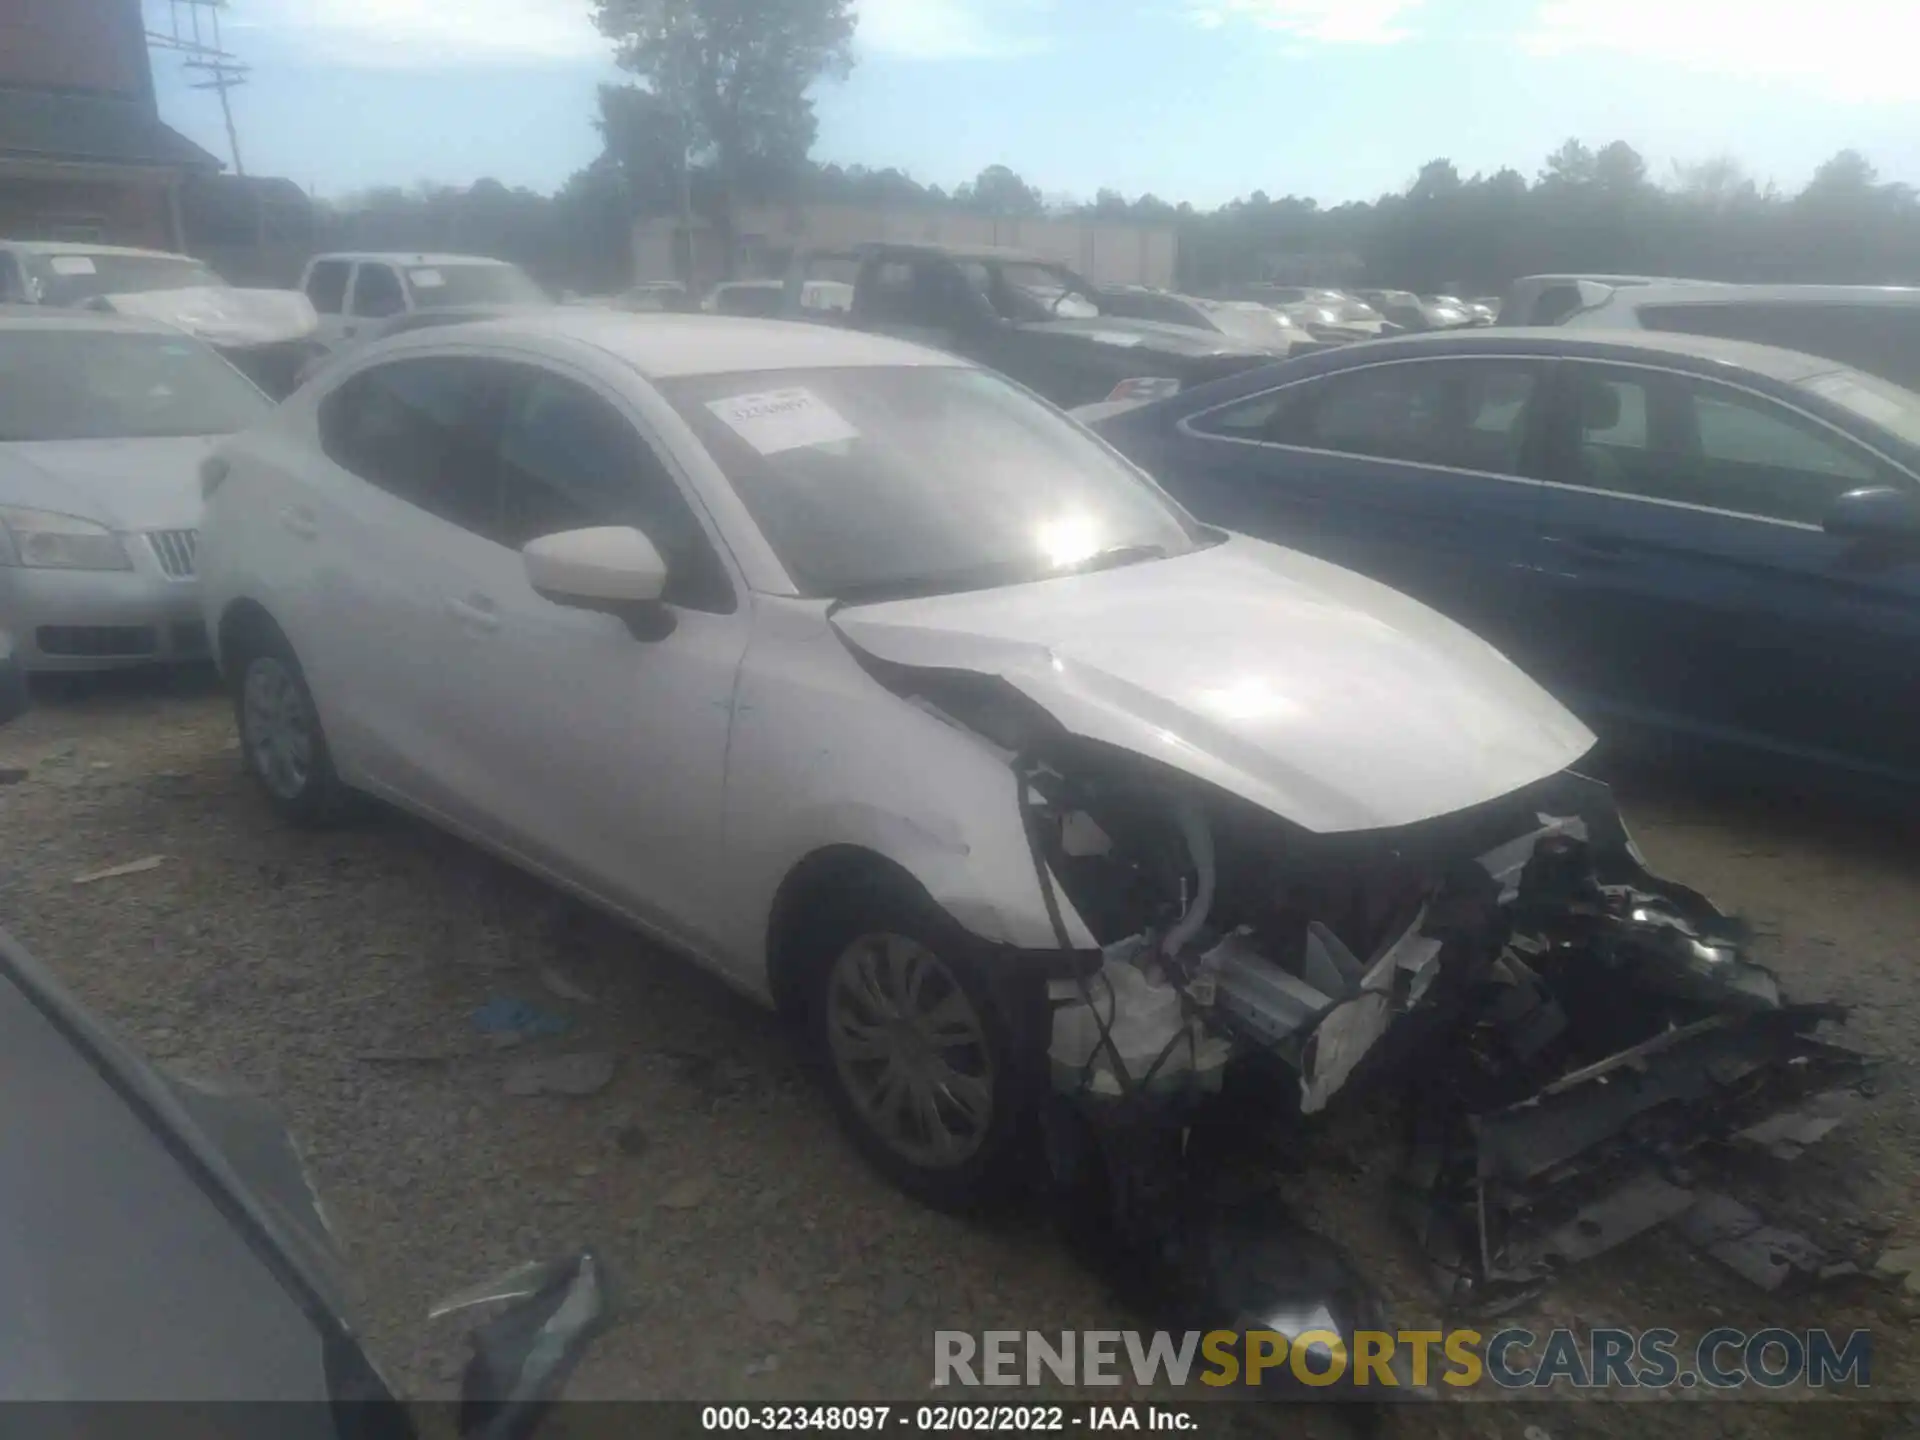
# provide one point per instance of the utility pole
(686, 201)
(206, 55)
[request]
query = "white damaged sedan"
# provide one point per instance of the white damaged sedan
(894, 697)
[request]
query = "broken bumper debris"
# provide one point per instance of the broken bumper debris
(1582, 1049)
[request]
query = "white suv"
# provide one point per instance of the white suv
(352, 292)
(1866, 327)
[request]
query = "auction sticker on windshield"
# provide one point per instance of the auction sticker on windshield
(776, 420)
(427, 279)
(72, 264)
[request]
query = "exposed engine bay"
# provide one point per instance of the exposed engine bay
(1571, 1044)
(1571, 1035)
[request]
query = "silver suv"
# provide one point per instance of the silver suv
(1867, 327)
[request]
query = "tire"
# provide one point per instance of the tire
(931, 1067)
(281, 740)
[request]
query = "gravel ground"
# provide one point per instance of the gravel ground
(337, 974)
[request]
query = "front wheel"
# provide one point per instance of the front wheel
(281, 739)
(923, 1060)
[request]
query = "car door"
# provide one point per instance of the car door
(402, 490)
(13, 281)
(326, 287)
(595, 753)
(377, 295)
(1416, 473)
(1695, 586)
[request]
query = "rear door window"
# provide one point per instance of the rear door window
(1554, 304)
(1666, 436)
(327, 285)
(420, 429)
(1466, 414)
(377, 292)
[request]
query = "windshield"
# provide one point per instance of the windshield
(1022, 290)
(872, 482)
(102, 385)
(472, 285)
(1871, 398)
(74, 277)
(1253, 322)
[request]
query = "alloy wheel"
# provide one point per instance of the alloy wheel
(910, 1049)
(278, 727)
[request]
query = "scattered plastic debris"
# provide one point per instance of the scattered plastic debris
(1902, 1265)
(561, 986)
(1740, 1238)
(687, 1194)
(132, 867)
(764, 1366)
(523, 1356)
(767, 1303)
(410, 1057)
(581, 1073)
(504, 1015)
(1786, 1135)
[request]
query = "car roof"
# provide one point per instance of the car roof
(668, 346)
(1788, 366)
(959, 252)
(409, 257)
(1557, 279)
(1773, 361)
(1712, 292)
(87, 247)
(53, 317)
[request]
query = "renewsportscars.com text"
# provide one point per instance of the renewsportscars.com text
(1510, 1359)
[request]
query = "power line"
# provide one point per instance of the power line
(206, 55)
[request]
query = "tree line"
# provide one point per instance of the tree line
(720, 115)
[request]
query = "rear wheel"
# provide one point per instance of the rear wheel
(923, 1060)
(280, 736)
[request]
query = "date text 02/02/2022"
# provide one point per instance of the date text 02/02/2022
(944, 1418)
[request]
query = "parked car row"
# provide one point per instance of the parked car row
(269, 334)
(1037, 797)
(908, 705)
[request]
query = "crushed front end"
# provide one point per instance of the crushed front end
(1571, 1043)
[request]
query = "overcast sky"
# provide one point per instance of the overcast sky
(1197, 100)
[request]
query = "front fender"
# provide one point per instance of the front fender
(987, 881)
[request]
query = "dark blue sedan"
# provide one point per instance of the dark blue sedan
(1714, 539)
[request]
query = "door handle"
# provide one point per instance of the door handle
(300, 521)
(476, 613)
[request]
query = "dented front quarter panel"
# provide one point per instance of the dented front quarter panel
(821, 756)
(1313, 692)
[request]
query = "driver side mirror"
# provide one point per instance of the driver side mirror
(613, 569)
(1878, 512)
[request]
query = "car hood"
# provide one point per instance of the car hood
(123, 484)
(126, 1272)
(1150, 335)
(1318, 694)
(225, 315)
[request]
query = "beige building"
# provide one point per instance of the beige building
(1104, 251)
